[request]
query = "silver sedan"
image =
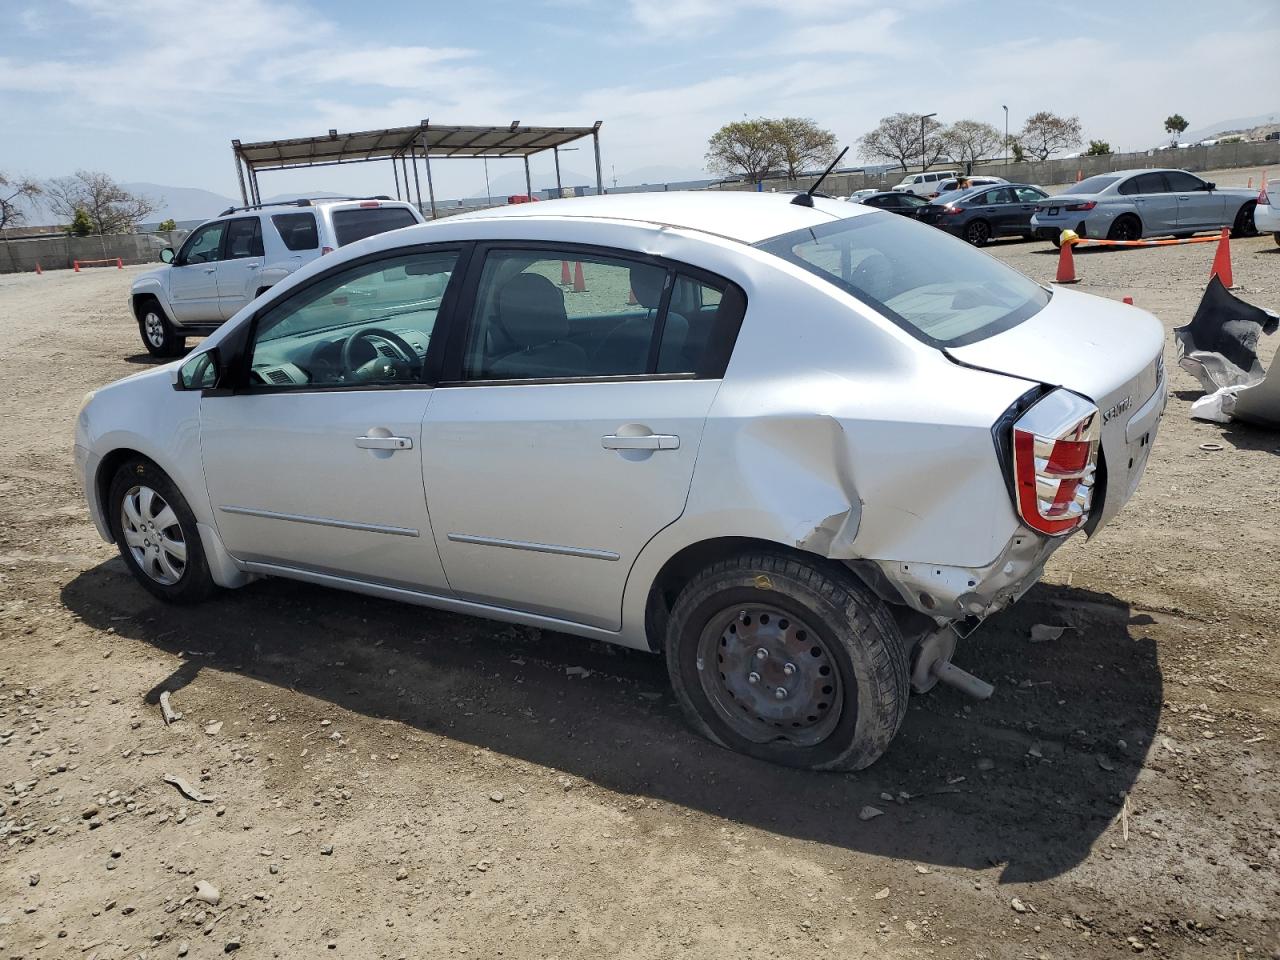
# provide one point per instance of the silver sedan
(1133, 204)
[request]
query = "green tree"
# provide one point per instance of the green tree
(164, 226)
(747, 148)
(802, 144)
(1046, 133)
(81, 223)
(1098, 148)
(1019, 155)
(1175, 124)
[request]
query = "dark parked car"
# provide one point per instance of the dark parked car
(907, 204)
(983, 213)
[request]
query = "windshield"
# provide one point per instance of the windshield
(1091, 185)
(936, 287)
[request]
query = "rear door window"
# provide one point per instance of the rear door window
(244, 238)
(297, 230)
(356, 223)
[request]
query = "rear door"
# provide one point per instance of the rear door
(241, 264)
(193, 276)
(566, 435)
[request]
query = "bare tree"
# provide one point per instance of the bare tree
(15, 192)
(749, 148)
(109, 207)
(1046, 133)
(898, 138)
(803, 144)
(970, 141)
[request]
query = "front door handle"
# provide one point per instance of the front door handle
(385, 443)
(210, 269)
(648, 441)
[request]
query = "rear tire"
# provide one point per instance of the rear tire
(1126, 227)
(158, 334)
(156, 533)
(1276, 237)
(977, 232)
(1243, 226)
(821, 632)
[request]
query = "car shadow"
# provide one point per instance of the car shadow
(1026, 781)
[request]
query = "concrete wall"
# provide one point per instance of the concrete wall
(60, 251)
(1222, 156)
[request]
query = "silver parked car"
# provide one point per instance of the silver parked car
(1134, 204)
(797, 444)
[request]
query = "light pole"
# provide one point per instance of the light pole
(923, 163)
(1006, 135)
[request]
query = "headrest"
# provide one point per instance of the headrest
(531, 310)
(646, 284)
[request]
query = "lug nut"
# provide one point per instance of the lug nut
(742, 616)
(780, 693)
(753, 677)
(789, 669)
(762, 654)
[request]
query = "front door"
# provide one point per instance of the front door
(569, 434)
(1156, 205)
(1198, 207)
(193, 276)
(316, 462)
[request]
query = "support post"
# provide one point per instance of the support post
(431, 190)
(395, 172)
(254, 195)
(595, 136)
(528, 181)
(235, 150)
(559, 188)
(417, 185)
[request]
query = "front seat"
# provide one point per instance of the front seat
(531, 315)
(626, 349)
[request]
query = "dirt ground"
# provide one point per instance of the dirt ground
(387, 781)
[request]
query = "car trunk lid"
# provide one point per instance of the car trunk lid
(1100, 349)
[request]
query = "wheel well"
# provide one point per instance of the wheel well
(686, 563)
(107, 471)
(140, 301)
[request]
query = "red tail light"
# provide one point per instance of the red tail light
(1055, 455)
(952, 210)
(324, 250)
(370, 203)
(1088, 205)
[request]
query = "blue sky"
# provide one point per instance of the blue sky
(154, 91)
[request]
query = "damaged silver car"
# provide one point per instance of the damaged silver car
(797, 445)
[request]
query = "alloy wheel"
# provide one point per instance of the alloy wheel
(769, 676)
(153, 328)
(978, 233)
(153, 535)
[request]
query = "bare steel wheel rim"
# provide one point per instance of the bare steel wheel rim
(769, 675)
(154, 328)
(153, 535)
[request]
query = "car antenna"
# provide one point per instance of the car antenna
(806, 199)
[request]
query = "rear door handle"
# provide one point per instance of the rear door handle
(385, 443)
(649, 441)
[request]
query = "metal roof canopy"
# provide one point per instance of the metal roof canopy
(404, 147)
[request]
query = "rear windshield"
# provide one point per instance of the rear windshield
(1091, 185)
(936, 287)
(359, 222)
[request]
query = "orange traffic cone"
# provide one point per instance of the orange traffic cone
(1222, 260)
(38, 270)
(119, 263)
(1129, 301)
(565, 279)
(75, 265)
(1066, 265)
(579, 284)
(1079, 175)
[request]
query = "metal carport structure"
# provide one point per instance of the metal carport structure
(404, 147)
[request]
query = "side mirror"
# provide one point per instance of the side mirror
(166, 255)
(1211, 185)
(197, 373)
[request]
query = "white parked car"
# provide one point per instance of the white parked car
(228, 261)
(953, 183)
(859, 195)
(798, 448)
(923, 184)
(1266, 214)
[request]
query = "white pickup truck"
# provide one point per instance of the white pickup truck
(231, 259)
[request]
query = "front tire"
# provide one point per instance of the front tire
(787, 660)
(158, 334)
(977, 232)
(1244, 226)
(155, 531)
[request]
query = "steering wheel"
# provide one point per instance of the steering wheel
(406, 353)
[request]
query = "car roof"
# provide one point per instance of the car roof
(746, 216)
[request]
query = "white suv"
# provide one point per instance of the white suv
(924, 184)
(230, 260)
